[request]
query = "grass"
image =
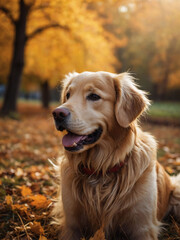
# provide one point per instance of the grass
(167, 110)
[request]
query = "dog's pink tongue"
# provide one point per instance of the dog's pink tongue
(70, 139)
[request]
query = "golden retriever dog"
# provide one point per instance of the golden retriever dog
(110, 177)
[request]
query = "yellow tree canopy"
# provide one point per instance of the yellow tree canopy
(62, 36)
(154, 39)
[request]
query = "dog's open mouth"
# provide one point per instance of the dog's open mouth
(73, 142)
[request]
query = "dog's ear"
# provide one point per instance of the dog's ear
(65, 84)
(130, 101)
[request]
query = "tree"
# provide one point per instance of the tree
(55, 35)
(20, 39)
(153, 46)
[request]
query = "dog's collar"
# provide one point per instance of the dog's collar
(90, 171)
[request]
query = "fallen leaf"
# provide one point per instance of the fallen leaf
(25, 191)
(169, 170)
(99, 235)
(2, 225)
(35, 175)
(8, 200)
(42, 238)
(19, 172)
(19, 207)
(37, 228)
(166, 149)
(39, 201)
(176, 163)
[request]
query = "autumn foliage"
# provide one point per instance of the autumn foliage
(41, 41)
(28, 181)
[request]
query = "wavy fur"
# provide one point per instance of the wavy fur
(130, 203)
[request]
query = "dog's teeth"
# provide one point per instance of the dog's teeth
(74, 144)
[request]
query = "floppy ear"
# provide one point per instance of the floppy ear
(130, 101)
(65, 83)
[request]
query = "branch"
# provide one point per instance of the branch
(42, 29)
(41, 7)
(8, 14)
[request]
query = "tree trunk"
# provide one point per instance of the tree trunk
(17, 64)
(164, 86)
(45, 94)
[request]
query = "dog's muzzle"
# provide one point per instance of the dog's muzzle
(72, 141)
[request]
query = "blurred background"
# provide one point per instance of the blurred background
(42, 40)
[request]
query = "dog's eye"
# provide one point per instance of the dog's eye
(68, 95)
(93, 97)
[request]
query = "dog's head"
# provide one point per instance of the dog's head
(94, 105)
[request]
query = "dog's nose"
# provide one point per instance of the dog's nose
(60, 114)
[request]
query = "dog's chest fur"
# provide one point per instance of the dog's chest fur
(115, 200)
(109, 201)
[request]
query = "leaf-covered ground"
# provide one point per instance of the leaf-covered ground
(27, 189)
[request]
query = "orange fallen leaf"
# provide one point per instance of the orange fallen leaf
(169, 170)
(19, 207)
(39, 201)
(42, 238)
(99, 235)
(8, 200)
(176, 163)
(25, 191)
(37, 228)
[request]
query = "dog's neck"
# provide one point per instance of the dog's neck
(110, 152)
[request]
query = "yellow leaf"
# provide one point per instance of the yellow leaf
(25, 191)
(37, 228)
(9, 200)
(39, 201)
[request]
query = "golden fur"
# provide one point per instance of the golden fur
(131, 202)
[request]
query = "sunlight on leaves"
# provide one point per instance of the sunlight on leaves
(39, 201)
(25, 191)
(8, 200)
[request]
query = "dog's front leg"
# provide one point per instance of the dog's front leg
(144, 227)
(72, 211)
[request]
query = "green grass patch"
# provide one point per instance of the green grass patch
(177, 140)
(160, 153)
(166, 110)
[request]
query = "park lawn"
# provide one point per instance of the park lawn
(165, 111)
(27, 180)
